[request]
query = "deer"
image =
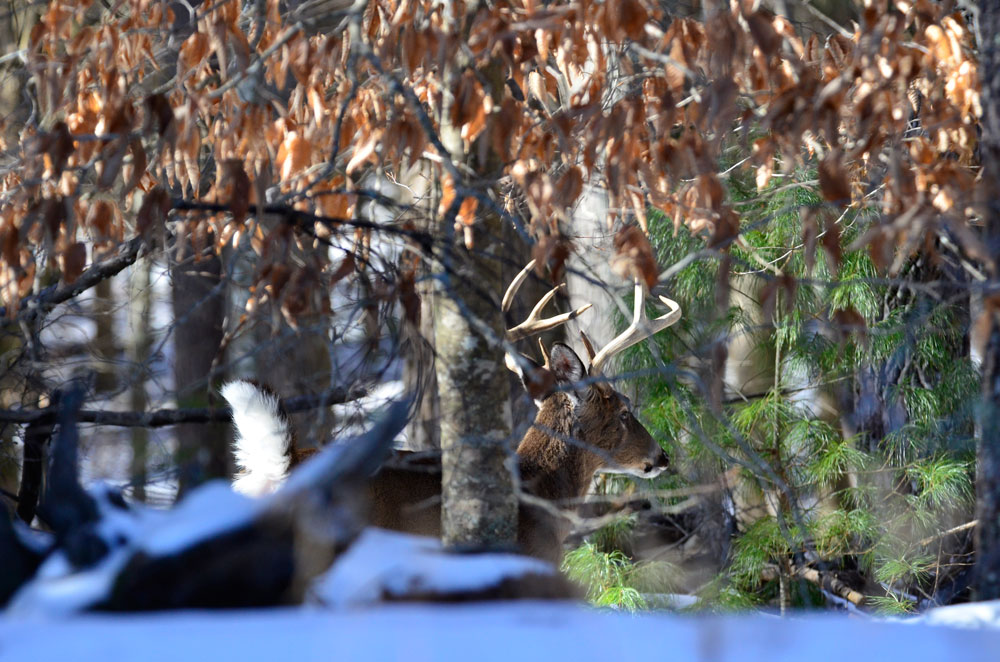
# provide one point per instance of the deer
(583, 427)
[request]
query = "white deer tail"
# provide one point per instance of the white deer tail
(263, 438)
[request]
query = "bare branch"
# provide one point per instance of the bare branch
(54, 295)
(164, 417)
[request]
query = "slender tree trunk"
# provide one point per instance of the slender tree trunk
(420, 377)
(13, 110)
(141, 340)
(105, 345)
(10, 457)
(987, 583)
(423, 432)
(198, 303)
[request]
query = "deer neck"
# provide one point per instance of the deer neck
(552, 466)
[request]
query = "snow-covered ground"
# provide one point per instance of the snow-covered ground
(499, 631)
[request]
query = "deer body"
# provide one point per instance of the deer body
(583, 426)
(575, 435)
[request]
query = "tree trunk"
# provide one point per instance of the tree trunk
(478, 462)
(198, 306)
(987, 582)
(479, 505)
(419, 377)
(105, 346)
(15, 25)
(140, 343)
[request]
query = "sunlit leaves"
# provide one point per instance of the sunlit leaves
(537, 100)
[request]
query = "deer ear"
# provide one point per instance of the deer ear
(565, 364)
(517, 366)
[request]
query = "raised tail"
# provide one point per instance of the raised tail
(263, 441)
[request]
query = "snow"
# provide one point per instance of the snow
(483, 632)
(210, 510)
(386, 563)
(972, 615)
(58, 591)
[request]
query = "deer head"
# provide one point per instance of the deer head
(583, 425)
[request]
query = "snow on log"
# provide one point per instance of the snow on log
(387, 566)
(215, 549)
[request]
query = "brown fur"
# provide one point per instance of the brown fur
(575, 434)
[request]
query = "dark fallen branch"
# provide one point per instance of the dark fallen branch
(20, 561)
(66, 506)
(53, 295)
(163, 417)
(36, 438)
(263, 555)
(216, 549)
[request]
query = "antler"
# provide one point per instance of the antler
(640, 329)
(535, 323)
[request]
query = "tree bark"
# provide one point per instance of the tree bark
(423, 432)
(478, 463)
(479, 502)
(987, 581)
(141, 341)
(105, 346)
(15, 24)
(198, 306)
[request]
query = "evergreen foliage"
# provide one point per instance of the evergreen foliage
(857, 448)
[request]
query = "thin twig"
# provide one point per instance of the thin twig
(943, 534)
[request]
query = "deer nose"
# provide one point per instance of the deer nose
(662, 462)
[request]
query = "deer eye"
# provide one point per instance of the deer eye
(623, 417)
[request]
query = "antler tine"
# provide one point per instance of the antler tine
(587, 345)
(640, 328)
(535, 323)
(515, 285)
(545, 353)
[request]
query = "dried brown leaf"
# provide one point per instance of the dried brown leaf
(72, 261)
(634, 256)
(763, 32)
(152, 212)
(551, 252)
(295, 155)
(849, 322)
(409, 298)
(810, 234)
(467, 211)
(833, 182)
(365, 151)
(832, 245)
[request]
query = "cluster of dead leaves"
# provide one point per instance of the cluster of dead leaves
(547, 96)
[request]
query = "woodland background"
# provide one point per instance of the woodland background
(331, 197)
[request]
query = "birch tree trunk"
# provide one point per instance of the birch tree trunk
(987, 582)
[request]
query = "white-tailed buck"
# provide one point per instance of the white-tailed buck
(583, 426)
